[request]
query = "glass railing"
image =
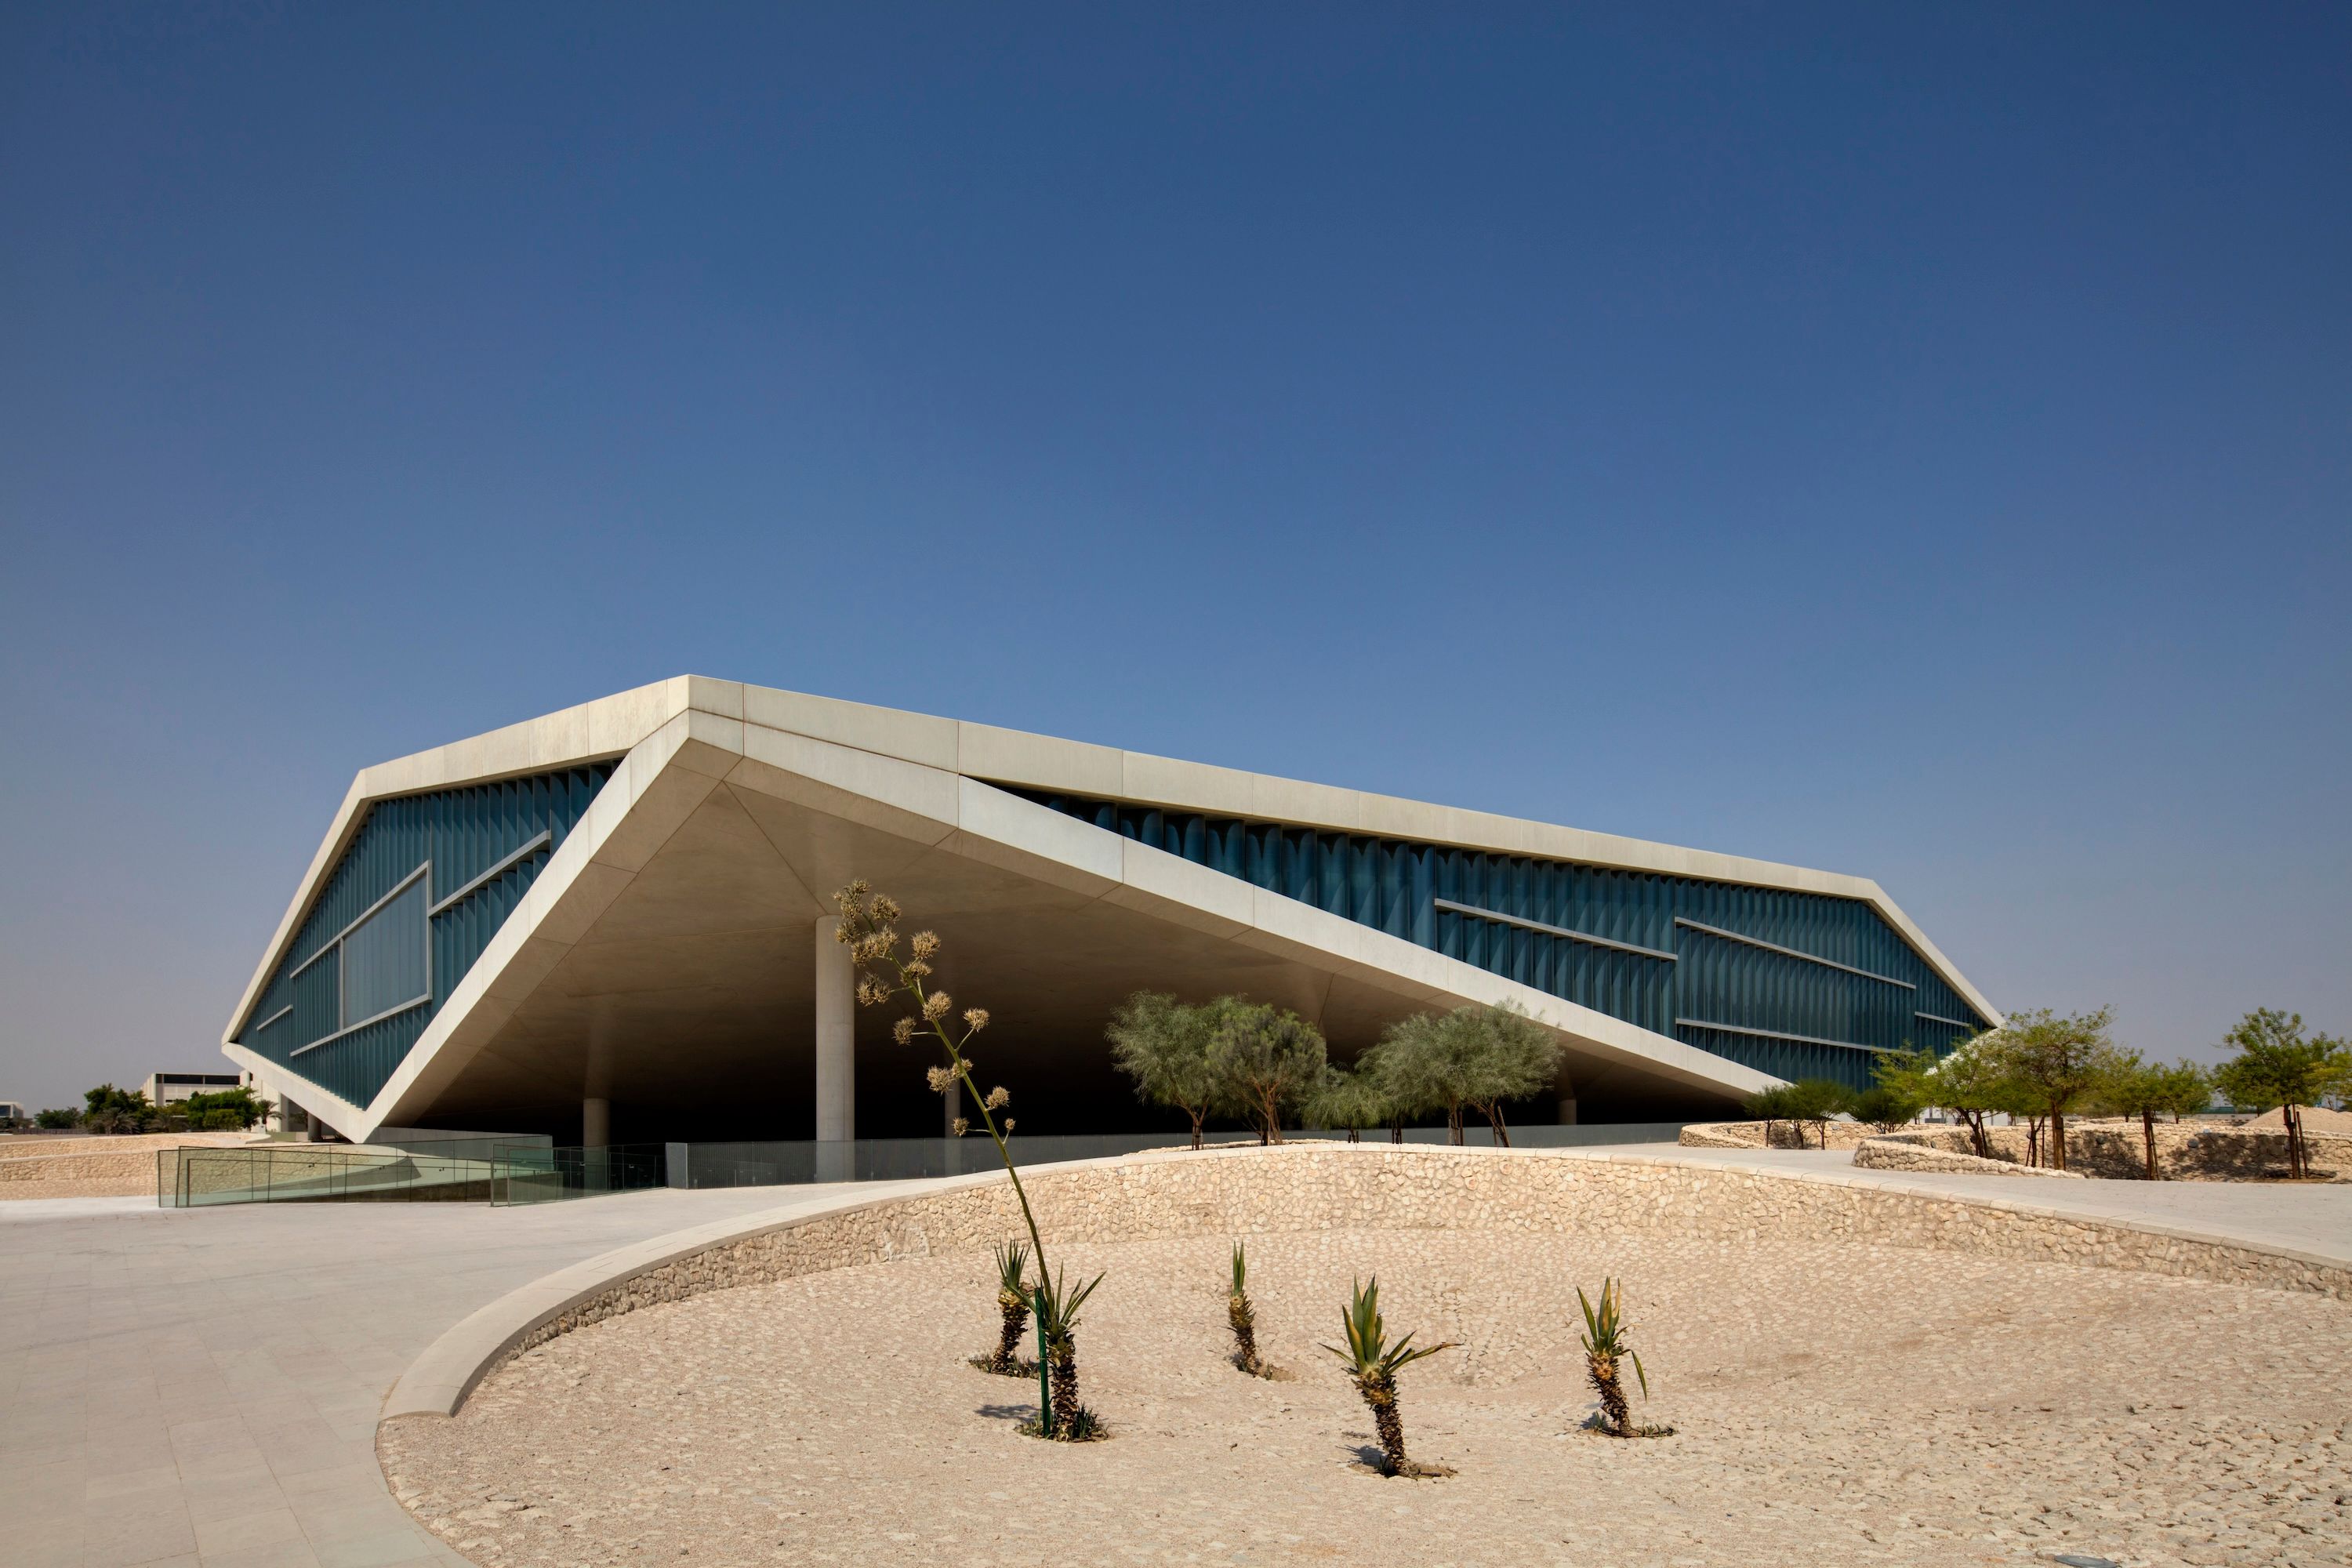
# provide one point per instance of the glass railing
(314, 1172)
(529, 1174)
(533, 1173)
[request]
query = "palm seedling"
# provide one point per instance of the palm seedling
(1243, 1318)
(1057, 1324)
(1604, 1346)
(1012, 1305)
(1372, 1365)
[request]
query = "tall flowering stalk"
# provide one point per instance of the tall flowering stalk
(869, 928)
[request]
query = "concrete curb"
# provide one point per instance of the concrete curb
(438, 1382)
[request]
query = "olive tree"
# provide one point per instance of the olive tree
(2278, 1065)
(1345, 1101)
(1267, 1058)
(1164, 1046)
(1512, 1057)
(1473, 1057)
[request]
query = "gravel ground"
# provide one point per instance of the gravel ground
(1835, 1405)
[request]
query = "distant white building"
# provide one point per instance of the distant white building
(164, 1088)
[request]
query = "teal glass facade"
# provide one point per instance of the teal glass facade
(418, 894)
(1692, 959)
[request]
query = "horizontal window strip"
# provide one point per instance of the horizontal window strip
(329, 945)
(1500, 918)
(494, 873)
(1776, 1035)
(1955, 1022)
(364, 1022)
(1792, 953)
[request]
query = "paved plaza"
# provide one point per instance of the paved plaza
(203, 1386)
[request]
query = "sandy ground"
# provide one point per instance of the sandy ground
(1834, 1405)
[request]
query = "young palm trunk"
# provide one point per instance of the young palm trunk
(2148, 1130)
(1616, 1416)
(1062, 1356)
(1014, 1306)
(1244, 1321)
(1380, 1392)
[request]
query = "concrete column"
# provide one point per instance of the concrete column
(1564, 1091)
(595, 1122)
(836, 1059)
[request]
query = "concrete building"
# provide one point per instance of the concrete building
(614, 923)
(163, 1087)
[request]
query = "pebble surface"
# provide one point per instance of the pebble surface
(1835, 1403)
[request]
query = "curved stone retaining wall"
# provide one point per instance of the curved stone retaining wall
(2185, 1150)
(1902, 1151)
(1298, 1187)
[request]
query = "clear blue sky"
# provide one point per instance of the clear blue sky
(1906, 443)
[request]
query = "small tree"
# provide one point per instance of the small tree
(1769, 1105)
(1897, 1090)
(1345, 1102)
(1266, 1059)
(1473, 1056)
(2148, 1089)
(2055, 1061)
(1511, 1056)
(2278, 1065)
(1967, 1082)
(1163, 1046)
(1402, 1091)
(57, 1121)
(1816, 1100)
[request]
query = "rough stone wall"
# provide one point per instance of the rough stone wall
(1785, 1134)
(1300, 1187)
(94, 1167)
(2185, 1150)
(1906, 1153)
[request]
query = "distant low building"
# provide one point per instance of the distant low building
(13, 1114)
(163, 1088)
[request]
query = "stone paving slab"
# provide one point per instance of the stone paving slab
(202, 1386)
(2315, 1219)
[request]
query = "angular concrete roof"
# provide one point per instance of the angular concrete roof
(755, 803)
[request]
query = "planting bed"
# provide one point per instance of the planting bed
(1837, 1402)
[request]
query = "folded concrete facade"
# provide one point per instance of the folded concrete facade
(608, 923)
